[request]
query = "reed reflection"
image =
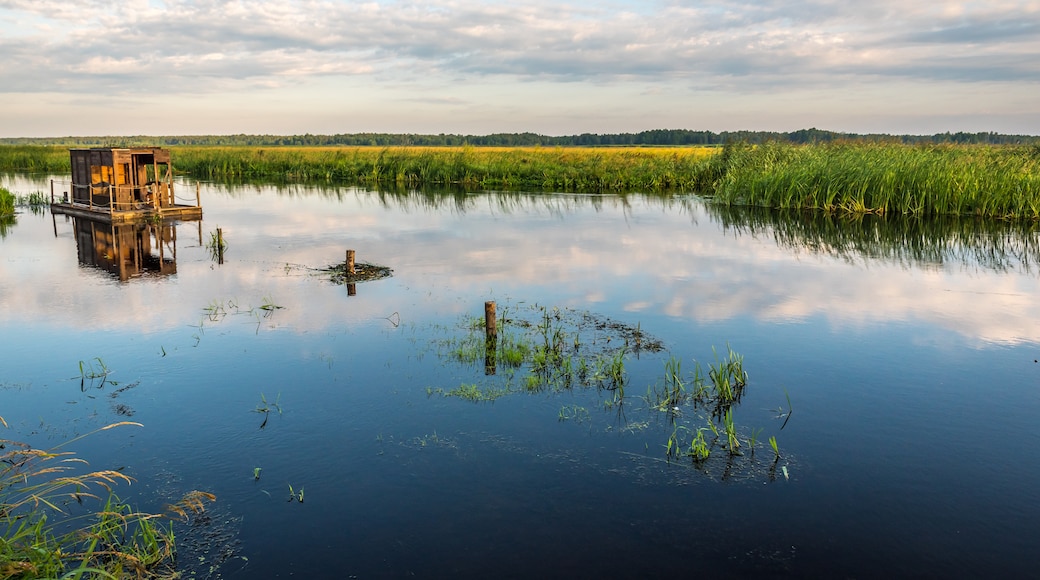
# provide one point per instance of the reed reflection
(1000, 246)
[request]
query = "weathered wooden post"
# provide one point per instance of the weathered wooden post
(198, 199)
(490, 324)
(350, 262)
(52, 192)
(351, 289)
(491, 338)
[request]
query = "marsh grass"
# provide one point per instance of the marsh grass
(7, 203)
(217, 245)
(881, 178)
(558, 169)
(47, 530)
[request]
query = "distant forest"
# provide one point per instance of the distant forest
(658, 137)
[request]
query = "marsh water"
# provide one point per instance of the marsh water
(894, 362)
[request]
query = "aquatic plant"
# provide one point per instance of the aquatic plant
(265, 408)
(7, 203)
(217, 245)
(472, 393)
(882, 178)
(556, 168)
(41, 538)
(774, 447)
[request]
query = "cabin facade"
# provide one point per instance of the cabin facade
(123, 184)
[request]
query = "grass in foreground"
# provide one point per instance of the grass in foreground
(47, 530)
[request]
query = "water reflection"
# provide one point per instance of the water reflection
(127, 250)
(989, 244)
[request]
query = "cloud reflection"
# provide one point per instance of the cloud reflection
(677, 258)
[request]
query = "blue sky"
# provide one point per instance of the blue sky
(459, 66)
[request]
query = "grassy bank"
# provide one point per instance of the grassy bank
(1001, 182)
(853, 177)
(572, 169)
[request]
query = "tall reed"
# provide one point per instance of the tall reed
(7, 203)
(875, 178)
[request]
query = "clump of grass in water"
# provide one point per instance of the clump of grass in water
(113, 541)
(265, 408)
(7, 203)
(471, 392)
(87, 372)
(217, 245)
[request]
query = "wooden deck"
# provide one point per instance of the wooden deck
(103, 214)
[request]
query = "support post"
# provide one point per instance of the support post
(198, 199)
(350, 262)
(351, 289)
(52, 192)
(491, 339)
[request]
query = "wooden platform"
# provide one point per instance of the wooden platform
(103, 214)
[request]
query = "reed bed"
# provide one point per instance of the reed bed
(846, 177)
(7, 203)
(560, 169)
(35, 158)
(872, 178)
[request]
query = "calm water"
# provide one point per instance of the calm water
(907, 349)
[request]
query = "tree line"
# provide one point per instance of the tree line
(655, 137)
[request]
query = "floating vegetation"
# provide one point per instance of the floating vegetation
(40, 538)
(295, 495)
(217, 310)
(471, 392)
(574, 412)
(538, 349)
(265, 408)
(88, 374)
(363, 272)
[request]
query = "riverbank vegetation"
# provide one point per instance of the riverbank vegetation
(857, 178)
(851, 177)
(49, 530)
(7, 202)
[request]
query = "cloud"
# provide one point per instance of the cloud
(241, 40)
(643, 61)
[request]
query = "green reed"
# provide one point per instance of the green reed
(560, 169)
(41, 538)
(882, 178)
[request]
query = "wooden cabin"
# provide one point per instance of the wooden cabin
(123, 184)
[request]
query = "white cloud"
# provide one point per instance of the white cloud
(744, 46)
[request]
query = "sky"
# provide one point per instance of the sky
(190, 67)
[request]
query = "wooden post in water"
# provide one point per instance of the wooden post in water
(351, 289)
(491, 338)
(350, 262)
(220, 246)
(198, 199)
(52, 191)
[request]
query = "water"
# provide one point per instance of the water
(907, 349)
